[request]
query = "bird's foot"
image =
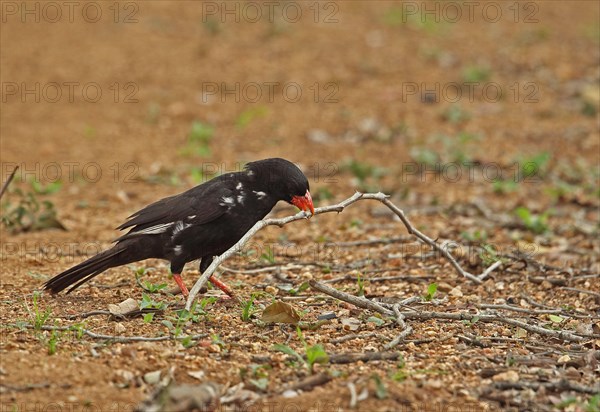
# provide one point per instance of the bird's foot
(184, 290)
(217, 283)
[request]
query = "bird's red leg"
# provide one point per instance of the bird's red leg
(184, 290)
(217, 283)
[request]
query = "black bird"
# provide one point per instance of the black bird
(200, 223)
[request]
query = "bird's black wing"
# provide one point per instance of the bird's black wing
(199, 205)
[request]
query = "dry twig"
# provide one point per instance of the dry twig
(113, 338)
(422, 315)
(381, 197)
(10, 178)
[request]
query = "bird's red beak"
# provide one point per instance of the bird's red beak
(304, 202)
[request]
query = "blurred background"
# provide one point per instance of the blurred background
(139, 95)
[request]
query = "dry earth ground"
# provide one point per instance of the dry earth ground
(366, 119)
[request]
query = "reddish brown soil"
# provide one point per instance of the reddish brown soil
(369, 59)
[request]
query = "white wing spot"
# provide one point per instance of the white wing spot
(250, 173)
(240, 199)
(191, 217)
(179, 226)
(239, 186)
(178, 249)
(260, 195)
(155, 230)
(227, 201)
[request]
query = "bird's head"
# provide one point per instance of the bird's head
(282, 180)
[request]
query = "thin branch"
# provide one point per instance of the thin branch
(588, 292)
(406, 330)
(382, 241)
(489, 270)
(358, 301)
(367, 304)
(113, 338)
(343, 358)
(562, 385)
(520, 309)
(353, 336)
(326, 209)
(309, 383)
(10, 178)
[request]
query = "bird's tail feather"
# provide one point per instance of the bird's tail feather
(86, 270)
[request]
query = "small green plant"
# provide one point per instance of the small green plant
(425, 157)
(314, 353)
(53, 342)
(322, 194)
(248, 308)
(30, 214)
(198, 139)
(248, 115)
(456, 114)
(380, 389)
(146, 284)
(488, 254)
(217, 340)
(269, 255)
(77, 329)
(366, 175)
(89, 131)
(560, 190)
(593, 404)
(376, 320)
(431, 290)
(456, 147)
(257, 375)
(357, 223)
(502, 186)
(471, 322)
(211, 25)
(197, 175)
(39, 318)
(476, 73)
(395, 17)
(361, 285)
(475, 235)
(47, 189)
(153, 113)
(176, 324)
(149, 303)
(303, 286)
(537, 224)
(534, 167)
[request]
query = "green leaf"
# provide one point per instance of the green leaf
(377, 321)
(187, 342)
(288, 351)
(315, 354)
(261, 383)
(380, 389)
(556, 318)
(431, 290)
(148, 317)
(400, 376)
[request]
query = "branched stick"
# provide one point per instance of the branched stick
(422, 315)
(406, 330)
(381, 197)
